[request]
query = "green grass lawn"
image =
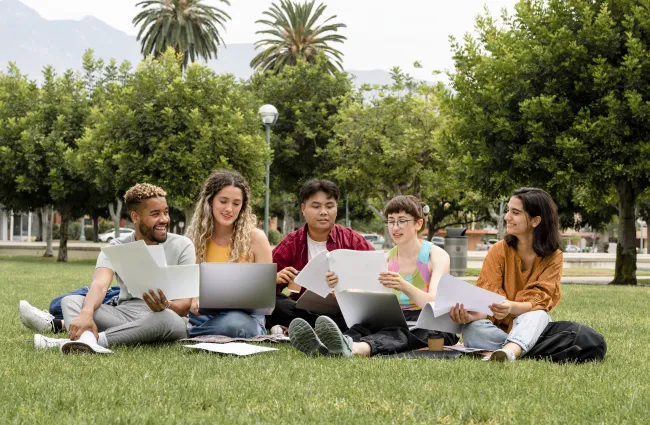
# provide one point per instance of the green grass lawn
(168, 384)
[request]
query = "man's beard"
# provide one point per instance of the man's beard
(150, 234)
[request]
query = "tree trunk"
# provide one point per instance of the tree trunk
(388, 242)
(498, 218)
(40, 237)
(189, 214)
(95, 228)
(48, 220)
(603, 244)
(625, 271)
(288, 221)
(66, 216)
(116, 214)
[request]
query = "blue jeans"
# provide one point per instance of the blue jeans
(525, 332)
(235, 324)
(110, 298)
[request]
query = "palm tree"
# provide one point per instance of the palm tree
(294, 36)
(189, 26)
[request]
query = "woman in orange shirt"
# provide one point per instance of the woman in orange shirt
(526, 269)
(224, 230)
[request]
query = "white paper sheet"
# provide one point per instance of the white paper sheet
(138, 269)
(236, 348)
(437, 320)
(463, 349)
(158, 254)
(312, 276)
(452, 290)
(358, 270)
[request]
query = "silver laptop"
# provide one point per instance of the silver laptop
(248, 287)
(373, 310)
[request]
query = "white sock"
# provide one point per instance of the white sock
(88, 337)
(102, 340)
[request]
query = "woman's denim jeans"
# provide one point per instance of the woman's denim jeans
(525, 331)
(235, 324)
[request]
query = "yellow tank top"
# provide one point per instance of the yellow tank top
(216, 253)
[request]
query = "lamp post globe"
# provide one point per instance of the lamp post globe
(268, 115)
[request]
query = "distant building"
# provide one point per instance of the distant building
(18, 227)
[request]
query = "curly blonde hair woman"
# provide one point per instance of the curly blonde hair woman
(224, 230)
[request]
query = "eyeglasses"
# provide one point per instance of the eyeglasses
(399, 223)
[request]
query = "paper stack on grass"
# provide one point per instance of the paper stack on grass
(236, 348)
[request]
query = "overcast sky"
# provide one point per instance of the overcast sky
(381, 33)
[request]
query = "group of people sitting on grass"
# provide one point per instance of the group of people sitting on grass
(525, 268)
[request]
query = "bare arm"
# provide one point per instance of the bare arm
(102, 278)
(260, 247)
(439, 264)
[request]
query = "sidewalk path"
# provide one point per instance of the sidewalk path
(588, 280)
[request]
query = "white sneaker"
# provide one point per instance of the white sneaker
(35, 319)
(278, 330)
(43, 342)
(502, 356)
(71, 347)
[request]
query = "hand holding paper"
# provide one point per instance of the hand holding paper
(312, 276)
(358, 270)
(452, 293)
(500, 311)
(140, 269)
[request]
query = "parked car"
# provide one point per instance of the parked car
(572, 248)
(377, 241)
(487, 245)
(438, 241)
(110, 234)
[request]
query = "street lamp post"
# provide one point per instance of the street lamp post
(269, 115)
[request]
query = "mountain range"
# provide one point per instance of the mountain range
(33, 42)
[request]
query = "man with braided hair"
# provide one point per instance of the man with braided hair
(138, 318)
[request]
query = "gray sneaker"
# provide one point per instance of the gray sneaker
(333, 338)
(72, 347)
(303, 338)
(35, 319)
(502, 356)
(43, 342)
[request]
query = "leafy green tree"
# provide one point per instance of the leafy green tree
(191, 27)
(556, 96)
(307, 96)
(104, 83)
(59, 120)
(173, 130)
(293, 34)
(390, 143)
(22, 171)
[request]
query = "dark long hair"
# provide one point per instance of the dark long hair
(546, 236)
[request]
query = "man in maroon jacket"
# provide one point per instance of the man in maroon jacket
(318, 202)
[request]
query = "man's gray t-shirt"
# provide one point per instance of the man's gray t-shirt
(179, 250)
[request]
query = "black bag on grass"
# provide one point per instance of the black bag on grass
(564, 342)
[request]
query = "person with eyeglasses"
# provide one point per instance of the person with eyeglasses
(414, 268)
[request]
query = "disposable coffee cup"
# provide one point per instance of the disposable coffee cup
(436, 344)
